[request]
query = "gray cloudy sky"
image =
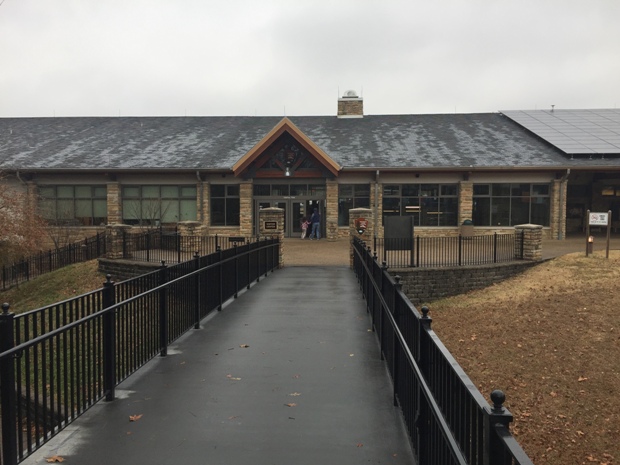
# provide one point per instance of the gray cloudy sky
(294, 57)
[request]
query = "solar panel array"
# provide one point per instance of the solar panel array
(575, 132)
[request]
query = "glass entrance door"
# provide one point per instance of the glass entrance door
(294, 211)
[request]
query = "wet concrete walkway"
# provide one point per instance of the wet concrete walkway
(309, 388)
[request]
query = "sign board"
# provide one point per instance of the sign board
(361, 224)
(598, 219)
(398, 232)
(271, 225)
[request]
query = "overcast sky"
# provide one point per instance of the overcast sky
(295, 57)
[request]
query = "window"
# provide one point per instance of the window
(505, 204)
(155, 205)
(351, 196)
(224, 205)
(429, 204)
(74, 205)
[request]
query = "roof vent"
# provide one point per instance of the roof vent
(350, 94)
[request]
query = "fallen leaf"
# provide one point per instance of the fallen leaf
(55, 458)
(359, 444)
(295, 394)
(135, 417)
(233, 378)
(581, 379)
(244, 346)
(292, 404)
(296, 376)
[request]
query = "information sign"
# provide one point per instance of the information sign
(598, 219)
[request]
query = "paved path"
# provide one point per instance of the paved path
(212, 401)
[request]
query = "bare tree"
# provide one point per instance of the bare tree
(22, 229)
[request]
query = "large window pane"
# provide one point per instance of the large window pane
(540, 211)
(169, 211)
(511, 204)
(189, 211)
(232, 212)
(520, 211)
(500, 211)
(482, 211)
(218, 212)
(449, 211)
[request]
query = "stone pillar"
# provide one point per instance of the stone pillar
(466, 201)
(205, 204)
(368, 234)
(531, 241)
(114, 240)
(331, 210)
(115, 209)
(557, 220)
(271, 223)
(190, 229)
(245, 208)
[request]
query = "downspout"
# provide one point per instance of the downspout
(562, 211)
(201, 191)
(376, 215)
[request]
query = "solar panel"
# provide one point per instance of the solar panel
(574, 131)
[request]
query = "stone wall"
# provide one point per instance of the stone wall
(125, 269)
(424, 285)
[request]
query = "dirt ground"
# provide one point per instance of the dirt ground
(549, 338)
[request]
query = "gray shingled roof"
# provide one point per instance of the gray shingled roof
(488, 140)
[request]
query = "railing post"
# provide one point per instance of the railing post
(494, 417)
(7, 388)
(395, 352)
(197, 291)
(258, 259)
(163, 309)
(109, 340)
(423, 420)
(178, 242)
(417, 250)
(237, 272)
(220, 272)
(460, 249)
(495, 247)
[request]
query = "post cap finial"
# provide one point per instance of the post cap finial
(5, 308)
(425, 311)
(498, 398)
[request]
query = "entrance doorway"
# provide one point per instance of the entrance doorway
(294, 211)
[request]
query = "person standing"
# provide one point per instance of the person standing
(304, 227)
(315, 220)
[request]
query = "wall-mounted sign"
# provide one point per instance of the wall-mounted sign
(271, 225)
(360, 225)
(598, 219)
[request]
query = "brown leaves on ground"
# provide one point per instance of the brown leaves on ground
(550, 339)
(54, 459)
(135, 417)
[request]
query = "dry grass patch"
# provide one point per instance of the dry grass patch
(550, 339)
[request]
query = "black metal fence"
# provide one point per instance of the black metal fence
(448, 419)
(157, 244)
(58, 361)
(421, 251)
(45, 262)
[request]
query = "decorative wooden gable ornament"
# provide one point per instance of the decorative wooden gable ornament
(286, 152)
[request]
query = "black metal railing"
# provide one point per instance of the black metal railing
(422, 251)
(155, 245)
(58, 361)
(44, 262)
(448, 419)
